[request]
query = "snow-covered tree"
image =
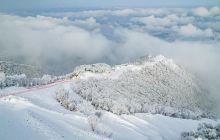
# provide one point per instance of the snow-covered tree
(16, 80)
(46, 79)
(204, 131)
(2, 79)
(94, 68)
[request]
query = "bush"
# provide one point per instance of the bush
(204, 131)
(16, 80)
(93, 121)
(94, 68)
(96, 125)
(46, 79)
(62, 96)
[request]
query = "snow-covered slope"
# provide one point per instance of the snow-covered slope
(88, 105)
(37, 115)
(151, 84)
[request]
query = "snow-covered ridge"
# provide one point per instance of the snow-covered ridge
(150, 84)
(157, 59)
(87, 71)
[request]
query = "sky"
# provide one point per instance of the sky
(33, 4)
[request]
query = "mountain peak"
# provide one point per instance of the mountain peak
(152, 84)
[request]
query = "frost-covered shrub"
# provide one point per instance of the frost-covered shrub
(96, 125)
(93, 121)
(204, 131)
(62, 96)
(71, 101)
(98, 114)
(16, 80)
(103, 130)
(46, 79)
(35, 82)
(94, 68)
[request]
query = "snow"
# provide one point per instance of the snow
(37, 115)
(87, 106)
(151, 84)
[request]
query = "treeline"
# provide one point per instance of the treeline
(23, 81)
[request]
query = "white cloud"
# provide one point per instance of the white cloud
(121, 12)
(180, 19)
(215, 25)
(44, 40)
(139, 12)
(51, 41)
(89, 23)
(190, 30)
(201, 11)
(153, 21)
(204, 12)
(124, 12)
(215, 11)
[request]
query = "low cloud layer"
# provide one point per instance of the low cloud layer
(190, 30)
(203, 11)
(61, 41)
(50, 42)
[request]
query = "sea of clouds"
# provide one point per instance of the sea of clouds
(57, 41)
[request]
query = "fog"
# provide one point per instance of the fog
(57, 44)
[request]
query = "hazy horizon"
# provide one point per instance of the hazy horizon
(47, 4)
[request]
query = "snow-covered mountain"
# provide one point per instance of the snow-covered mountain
(150, 84)
(99, 102)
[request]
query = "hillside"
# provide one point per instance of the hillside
(150, 84)
(151, 98)
(37, 115)
(10, 68)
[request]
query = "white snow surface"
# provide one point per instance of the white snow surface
(38, 116)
